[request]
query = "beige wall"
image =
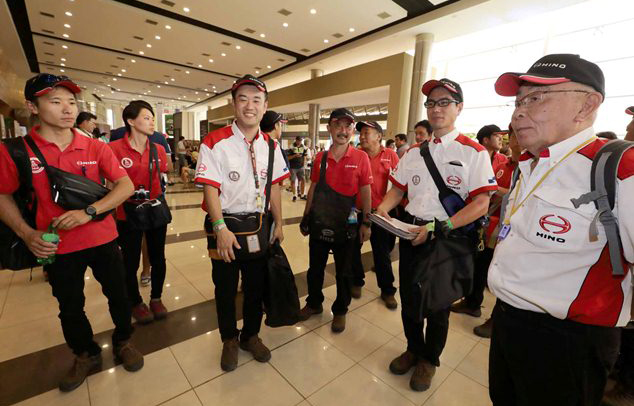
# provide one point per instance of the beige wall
(394, 71)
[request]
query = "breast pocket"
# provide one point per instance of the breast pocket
(558, 225)
(455, 174)
(234, 171)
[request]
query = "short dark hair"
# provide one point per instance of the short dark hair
(487, 131)
(426, 124)
(609, 135)
(84, 116)
(401, 137)
(389, 142)
(132, 111)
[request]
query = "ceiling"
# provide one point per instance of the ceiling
(185, 51)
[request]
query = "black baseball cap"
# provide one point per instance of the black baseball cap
(551, 70)
(487, 131)
(269, 120)
(340, 113)
(453, 88)
(630, 110)
(371, 124)
(248, 80)
(43, 83)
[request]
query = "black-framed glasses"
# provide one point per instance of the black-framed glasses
(430, 104)
(537, 97)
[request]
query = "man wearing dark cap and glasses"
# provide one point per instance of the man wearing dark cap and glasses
(465, 168)
(85, 239)
(554, 339)
(339, 175)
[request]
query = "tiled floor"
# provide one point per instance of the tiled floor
(310, 365)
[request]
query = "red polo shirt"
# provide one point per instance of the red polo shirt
(137, 166)
(503, 175)
(84, 156)
(348, 175)
(381, 165)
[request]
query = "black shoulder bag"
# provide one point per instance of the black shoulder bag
(153, 213)
(68, 190)
(14, 253)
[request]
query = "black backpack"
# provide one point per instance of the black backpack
(14, 253)
(603, 176)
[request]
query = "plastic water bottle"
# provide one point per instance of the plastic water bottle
(49, 236)
(352, 218)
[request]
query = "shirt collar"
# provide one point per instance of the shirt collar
(79, 141)
(236, 131)
(346, 155)
(560, 149)
(447, 138)
(126, 141)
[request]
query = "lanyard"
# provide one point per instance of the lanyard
(515, 206)
(258, 197)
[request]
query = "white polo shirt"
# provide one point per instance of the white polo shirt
(224, 162)
(465, 167)
(547, 263)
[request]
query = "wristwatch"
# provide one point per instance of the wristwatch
(219, 227)
(91, 211)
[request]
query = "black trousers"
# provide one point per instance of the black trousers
(482, 260)
(66, 276)
(436, 326)
(537, 359)
(318, 257)
(130, 240)
(382, 245)
(626, 359)
(225, 278)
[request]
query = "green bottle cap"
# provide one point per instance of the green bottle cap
(50, 237)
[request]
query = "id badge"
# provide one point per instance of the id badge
(253, 243)
(504, 231)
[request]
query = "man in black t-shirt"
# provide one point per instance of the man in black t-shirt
(297, 154)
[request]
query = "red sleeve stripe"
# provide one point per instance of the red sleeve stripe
(281, 178)
(207, 182)
(488, 188)
(626, 166)
(464, 140)
(398, 185)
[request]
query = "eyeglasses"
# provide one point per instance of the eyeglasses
(430, 104)
(342, 123)
(535, 98)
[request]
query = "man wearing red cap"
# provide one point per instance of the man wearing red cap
(465, 167)
(554, 339)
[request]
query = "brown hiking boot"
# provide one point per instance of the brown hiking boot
(422, 376)
(83, 366)
(403, 363)
(390, 301)
(461, 307)
(308, 311)
(256, 347)
(355, 292)
(229, 358)
(338, 323)
(484, 330)
(129, 356)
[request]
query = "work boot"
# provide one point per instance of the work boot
(461, 307)
(403, 363)
(355, 291)
(229, 357)
(142, 314)
(390, 301)
(129, 356)
(308, 311)
(83, 366)
(484, 330)
(158, 309)
(338, 323)
(255, 346)
(422, 376)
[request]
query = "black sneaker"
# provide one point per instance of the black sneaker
(294, 198)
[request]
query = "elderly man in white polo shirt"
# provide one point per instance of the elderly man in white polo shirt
(554, 339)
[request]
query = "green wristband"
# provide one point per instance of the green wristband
(430, 226)
(218, 222)
(449, 224)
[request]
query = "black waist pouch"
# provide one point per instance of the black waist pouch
(252, 230)
(148, 215)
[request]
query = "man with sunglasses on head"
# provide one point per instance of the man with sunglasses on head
(554, 337)
(85, 239)
(466, 169)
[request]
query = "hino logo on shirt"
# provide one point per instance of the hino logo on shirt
(351, 166)
(555, 225)
(80, 163)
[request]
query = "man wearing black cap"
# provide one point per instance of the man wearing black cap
(554, 339)
(629, 134)
(464, 166)
(272, 124)
(382, 162)
(234, 160)
(85, 239)
(330, 218)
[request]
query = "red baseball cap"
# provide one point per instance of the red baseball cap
(43, 83)
(630, 110)
(453, 87)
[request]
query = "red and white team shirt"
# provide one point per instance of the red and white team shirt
(547, 263)
(464, 165)
(84, 156)
(224, 162)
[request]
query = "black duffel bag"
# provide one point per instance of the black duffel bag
(68, 190)
(152, 213)
(14, 253)
(281, 301)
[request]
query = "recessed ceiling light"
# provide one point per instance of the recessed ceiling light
(199, 99)
(62, 70)
(133, 60)
(68, 13)
(67, 25)
(313, 11)
(62, 64)
(285, 25)
(262, 35)
(172, 79)
(118, 74)
(148, 45)
(65, 35)
(168, 27)
(112, 91)
(223, 54)
(211, 61)
(114, 79)
(351, 29)
(195, 92)
(206, 94)
(326, 41)
(149, 91)
(141, 53)
(187, 72)
(123, 70)
(65, 46)
(200, 66)
(166, 83)
(206, 90)
(157, 36)
(238, 47)
(268, 66)
(257, 72)
(159, 86)
(63, 59)
(186, 9)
